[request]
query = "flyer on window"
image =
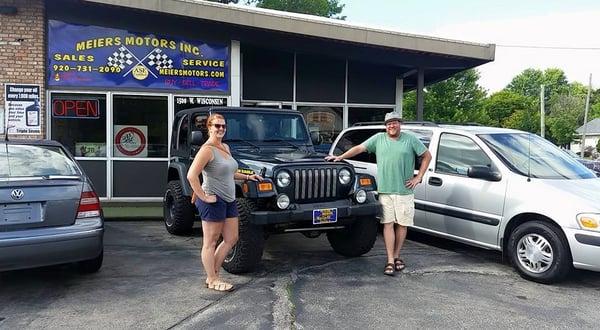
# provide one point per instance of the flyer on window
(22, 113)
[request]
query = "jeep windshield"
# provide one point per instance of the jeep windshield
(529, 154)
(256, 127)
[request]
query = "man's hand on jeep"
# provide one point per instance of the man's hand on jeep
(332, 158)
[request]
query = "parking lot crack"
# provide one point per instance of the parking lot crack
(284, 310)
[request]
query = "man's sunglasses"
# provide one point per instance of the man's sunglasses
(219, 126)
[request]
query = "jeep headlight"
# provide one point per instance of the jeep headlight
(589, 221)
(283, 179)
(360, 196)
(283, 201)
(344, 176)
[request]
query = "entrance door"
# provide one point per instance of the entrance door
(139, 145)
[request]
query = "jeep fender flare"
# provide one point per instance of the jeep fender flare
(178, 171)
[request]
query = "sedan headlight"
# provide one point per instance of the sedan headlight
(589, 221)
(345, 176)
(283, 179)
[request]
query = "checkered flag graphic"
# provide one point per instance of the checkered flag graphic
(159, 60)
(121, 58)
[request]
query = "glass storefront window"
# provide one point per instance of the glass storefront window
(367, 115)
(78, 121)
(140, 126)
(328, 121)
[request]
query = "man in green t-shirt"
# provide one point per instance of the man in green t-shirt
(395, 152)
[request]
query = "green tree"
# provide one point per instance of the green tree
(529, 81)
(566, 115)
(500, 106)
(524, 119)
(325, 8)
(458, 99)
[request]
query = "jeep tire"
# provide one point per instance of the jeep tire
(247, 252)
(178, 210)
(532, 245)
(355, 240)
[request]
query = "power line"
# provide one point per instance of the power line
(548, 47)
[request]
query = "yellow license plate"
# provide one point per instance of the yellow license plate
(322, 216)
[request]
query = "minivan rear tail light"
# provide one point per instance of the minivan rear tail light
(89, 205)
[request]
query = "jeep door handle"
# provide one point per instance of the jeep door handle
(434, 181)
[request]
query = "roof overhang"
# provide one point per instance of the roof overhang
(310, 26)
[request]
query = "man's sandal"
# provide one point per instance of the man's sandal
(389, 269)
(221, 286)
(399, 264)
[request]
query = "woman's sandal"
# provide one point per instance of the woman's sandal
(220, 286)
(389, 269)
(399, 264)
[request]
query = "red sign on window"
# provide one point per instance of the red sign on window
(79, 108)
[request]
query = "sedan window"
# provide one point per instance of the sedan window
(34, 160)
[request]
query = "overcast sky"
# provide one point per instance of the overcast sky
(540, 23)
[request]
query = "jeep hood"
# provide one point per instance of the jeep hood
(256, 161)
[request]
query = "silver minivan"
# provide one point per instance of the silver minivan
(49, 211)
(505, 190)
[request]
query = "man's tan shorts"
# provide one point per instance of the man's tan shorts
(399, 209)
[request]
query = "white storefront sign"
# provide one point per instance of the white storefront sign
(22, 109)
(130, 141)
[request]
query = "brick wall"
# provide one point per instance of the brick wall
(22, 50)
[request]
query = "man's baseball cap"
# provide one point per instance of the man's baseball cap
(391, 116)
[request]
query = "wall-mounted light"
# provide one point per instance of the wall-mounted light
(8, 10)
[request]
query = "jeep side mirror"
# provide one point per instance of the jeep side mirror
(316, 138)
(197, 138)
(483, 172)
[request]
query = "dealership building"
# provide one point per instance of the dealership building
(106, 77)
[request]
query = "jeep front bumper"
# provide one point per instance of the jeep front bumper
(303, 213)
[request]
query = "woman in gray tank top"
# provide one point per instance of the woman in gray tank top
(215, 199)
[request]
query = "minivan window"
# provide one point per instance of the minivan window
(456, 153)
(34, 160)
(529, 154)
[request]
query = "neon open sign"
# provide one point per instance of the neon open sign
(80, 108)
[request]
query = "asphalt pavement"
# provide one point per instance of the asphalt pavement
(153, 280)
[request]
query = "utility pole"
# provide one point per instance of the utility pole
(587, 107)
(542, 112)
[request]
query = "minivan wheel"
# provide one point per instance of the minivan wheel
(355, 240)
(178, 210)
(539, 252)
(92, 265)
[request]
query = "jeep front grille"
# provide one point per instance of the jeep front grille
(315, 183)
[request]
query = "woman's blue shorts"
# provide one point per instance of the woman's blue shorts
(217, 211)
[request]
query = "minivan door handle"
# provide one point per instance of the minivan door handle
(434, 181)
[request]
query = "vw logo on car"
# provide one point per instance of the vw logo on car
(17, 194)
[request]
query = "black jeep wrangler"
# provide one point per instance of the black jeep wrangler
(301, 192)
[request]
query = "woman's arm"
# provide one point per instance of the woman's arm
(202, 158)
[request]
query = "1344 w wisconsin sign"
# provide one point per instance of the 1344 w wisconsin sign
(94, 56)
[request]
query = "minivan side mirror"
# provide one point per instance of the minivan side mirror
(316, 138)
(483, 172)
(197, 138)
